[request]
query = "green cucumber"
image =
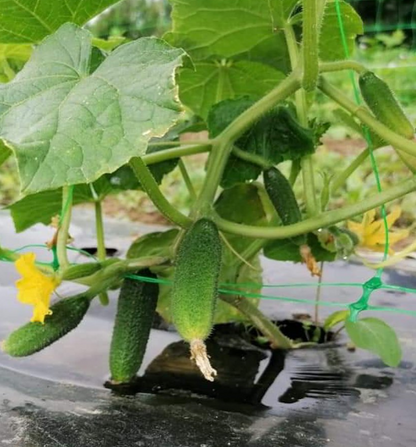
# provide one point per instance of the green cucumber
(382, 102)
(135, 312)
(33, 337)
(195, 288)
(283, 199)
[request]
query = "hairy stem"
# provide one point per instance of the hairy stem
(259, 320)
(327, 67)
(223, 143)
(187, 180)
(322, 220)
(101, 251)
(302, 110)
(62, 239)
(176, 152)
(151, 188)
(310, 44)
(396, 140)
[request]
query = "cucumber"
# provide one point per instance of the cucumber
(135, 312)
(33, 337)
(382, 102)
(195, 288)
(283, 199)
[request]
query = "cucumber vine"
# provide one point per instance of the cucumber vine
(97, 128)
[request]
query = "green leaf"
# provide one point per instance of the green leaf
(158, 244)
(225, 29)
(109, 44)
(335, 318)
(287, 250)
(376, 336)
(338, 240)
(82, 126)
(42, 206)
(28, 21)
(241, 204)
(219, 28)
(213, 82)
(330, 43)
(153, 244)
(5, 152)
(276, 137)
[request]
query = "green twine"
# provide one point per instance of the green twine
(362, 304)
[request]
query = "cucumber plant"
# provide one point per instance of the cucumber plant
(85, 119)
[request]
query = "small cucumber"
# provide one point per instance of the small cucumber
(382, 102)
(283, 199)
(33, 337)
(195, 288)
(135, 311)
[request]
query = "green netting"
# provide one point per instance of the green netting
(383, 16)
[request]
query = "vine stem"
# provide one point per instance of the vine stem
(150, 186)
(176, 152)
(259, 320)
(327, 67)
(301, 110)
(63, 230)
(187, 180)
(310, 45)
(223, 143)
(101, 251)
(396, 140)
(320, 221)
(342, 177)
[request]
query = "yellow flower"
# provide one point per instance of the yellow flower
(372, 233)
(34, 288)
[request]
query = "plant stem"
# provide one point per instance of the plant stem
(318, 294)
(310, 45)
(251, 158)
(327, 67)
(294, 172)
(177, 152)
(259, 320)
(341, 178)
(320, 221)
(151, 188)
(396, 140)
(62, 239)
(187, 180)
(301, 110)
(101, 251)
(180, 143)
(223, 143)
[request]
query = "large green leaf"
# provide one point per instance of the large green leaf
(69, 127)
(27, 21)
(225, 28)
(276, 137)
(212, 82)
(376, 336)
(331, 44)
